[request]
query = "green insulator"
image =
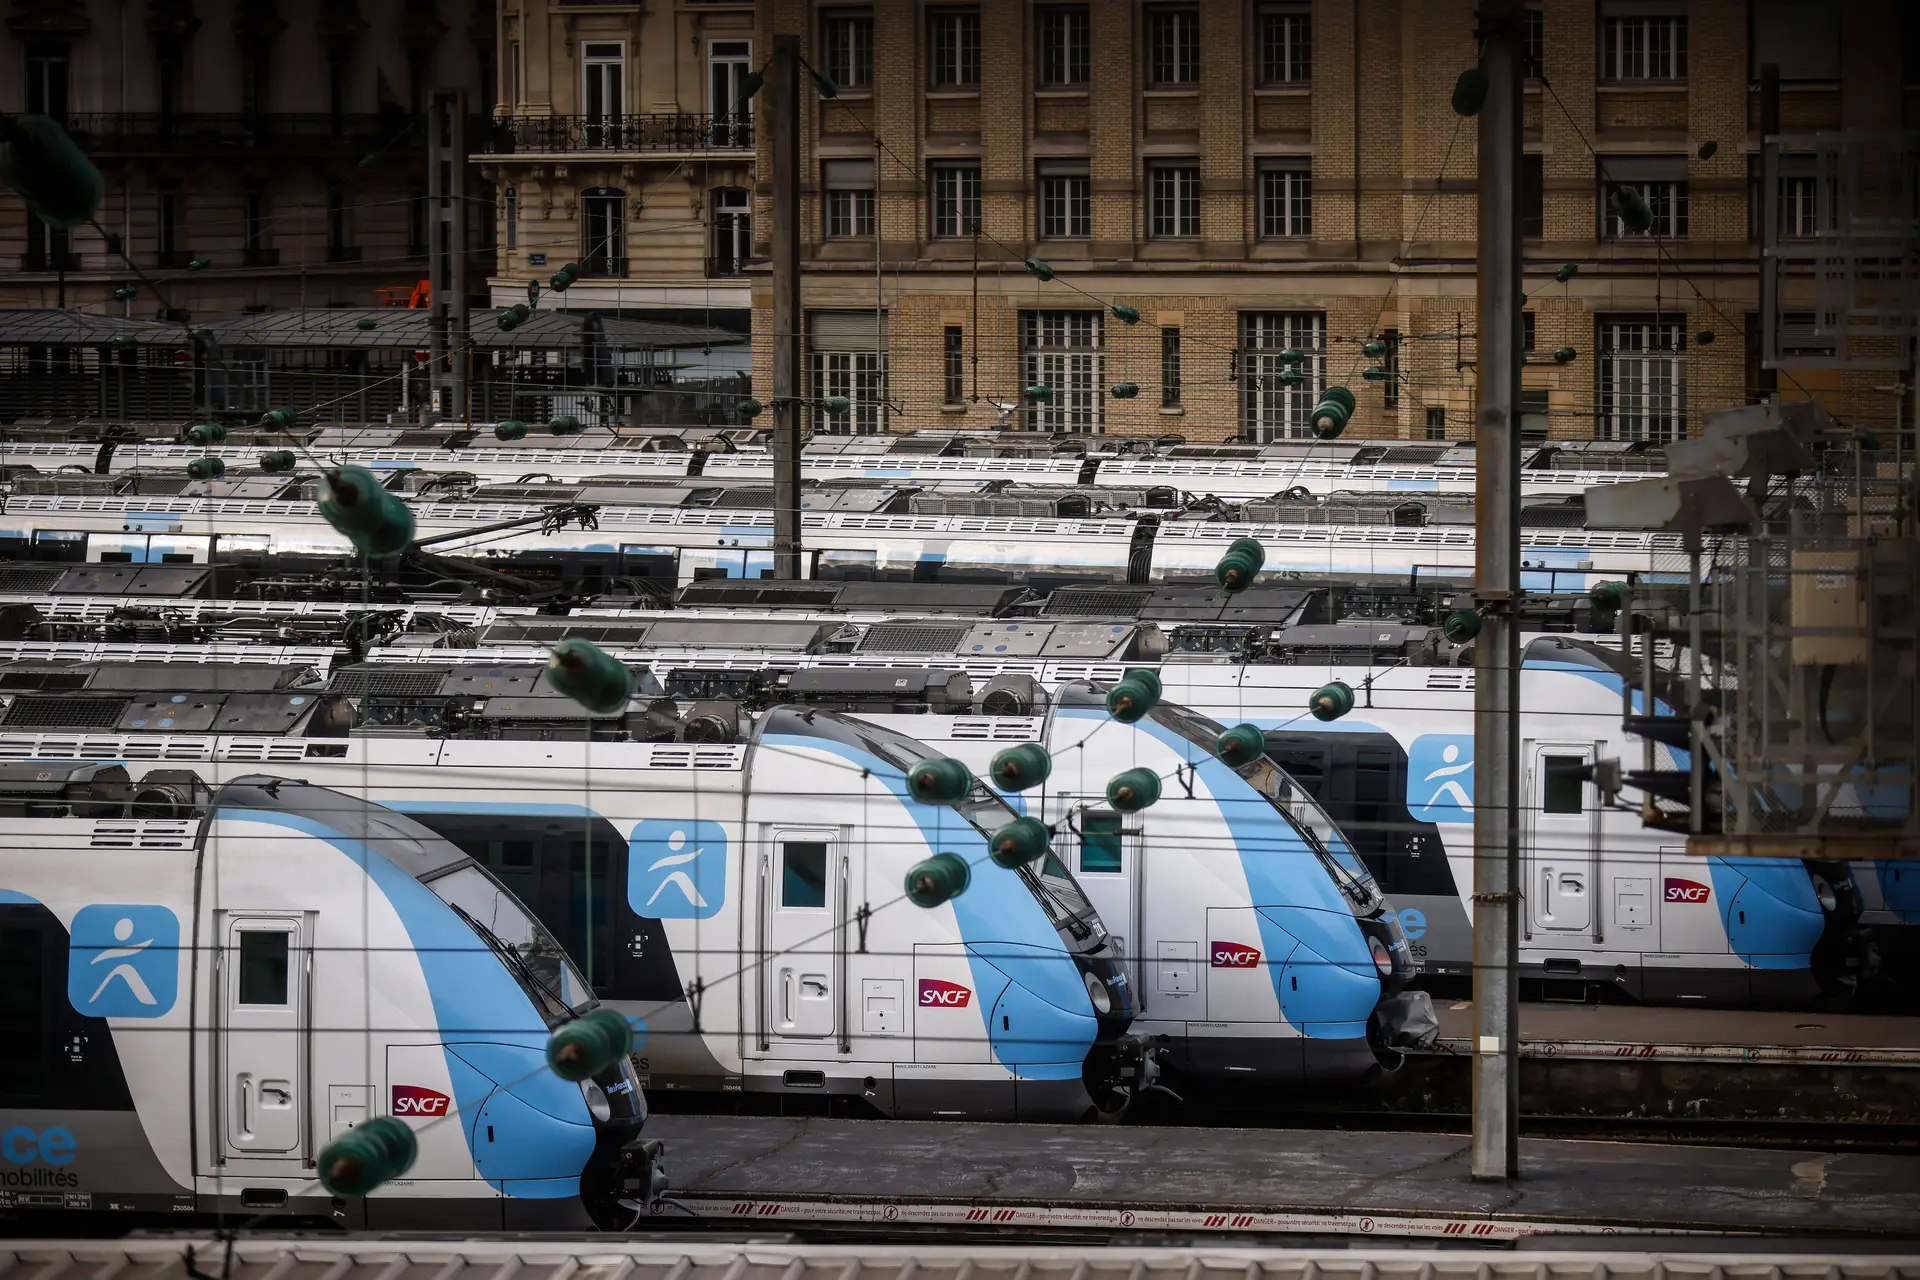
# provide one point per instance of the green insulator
(1342, 397)
(1461, 625)
(1041, 271)
(278, 419)
(367, 1157)
(1240, 565)
(206, 433)
(589, 1045)
(356, 504)
(366, 324)
(1126, 314)
(565, 278)
(44, 164)
(1021, 767)
(1039, 393)
(1374, 373)
(1704, 338)
(1470, 92)
(1131, 699)
(208, 468)
(511, 429)
(1133, 790)
(1374, 350)
(1293, 355)
(1020, 842)
(125, 293)
(1632, 209)
(1125, 390)
(939, 879)
(565, 424)
(939, 780)
(1147, 675)
(1331, 700)
(507, 322)
(1607, 597)
(199, 264)
(751, 408)
(1240, 745)
(277, 460)
(1565, 355)
(1293, 379)
(835, 404)
(1329, 419)
(582, 670)
(1567, 271)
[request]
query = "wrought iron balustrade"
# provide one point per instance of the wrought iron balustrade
(666, 131)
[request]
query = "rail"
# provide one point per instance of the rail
(674, 131)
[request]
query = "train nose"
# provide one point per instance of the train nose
(531, 1133)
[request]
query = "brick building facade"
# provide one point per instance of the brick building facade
(1260, 176)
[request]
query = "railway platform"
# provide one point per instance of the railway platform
(886, 1175)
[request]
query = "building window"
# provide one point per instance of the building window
(954, 363)
(1066, 46)
(1280, 392)
(1436, 423)
(729, 63)
(1066, 202)
(1661, 181)
(1173, 47)
(255, 83)
(511, 216)
(1286, 44)
(1390, 388)
(47, 78)
(1535, 404)
(168, 217)
(417, 214)
(170, 88)
(1533, 196)
(1170, 368)
(48, 248)
(1528, 329)
(1061, 352)
(1802, 39)
(1642, 378)
(956, 199)
(254, 225)
(336, 94)
(953, 48)
(1808, 199)
(513, 73)
(1175, 209)
(848, 360)
(1534, 50)
(603, 231)
(849, 203)
(1286, 199)
(732, 211)
(847, 52)
(1643, 48)
(338, 230)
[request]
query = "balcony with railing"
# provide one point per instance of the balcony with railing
(673, 132)
(108, 132)
(49, 260)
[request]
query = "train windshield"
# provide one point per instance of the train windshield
(1301, 810)
(1051, 884)
(536, 960)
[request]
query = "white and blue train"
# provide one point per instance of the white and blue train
(197, 1004)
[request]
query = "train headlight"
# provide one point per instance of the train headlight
(1382, 957)
(1097, 992)
(1824, 891)
(596, 1101)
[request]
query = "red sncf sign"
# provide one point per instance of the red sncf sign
(943, 995)
(1234, 955)
(1679, 890)
(412, 1100)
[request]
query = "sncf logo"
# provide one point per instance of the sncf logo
(945, 995)
(1234, 955)
(1679, 890)
(412, 1100)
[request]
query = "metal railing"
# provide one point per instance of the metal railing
(42, 260)
(668, 131)
(95, 130)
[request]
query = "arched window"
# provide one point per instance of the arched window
(731, 240)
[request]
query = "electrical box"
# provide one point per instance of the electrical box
(1828, 596)
(1179, 966)
(1632, 903)
(346, 1106)
(883, 1005)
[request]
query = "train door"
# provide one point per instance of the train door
(261, 1086)
(803, 890)
(1111, 870)
(1562, 835)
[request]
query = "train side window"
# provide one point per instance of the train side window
(23, 1012)
(1100, 843)
(1563, 790)
(263, 966)
(803, 874)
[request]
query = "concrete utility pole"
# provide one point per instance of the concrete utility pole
(782, 115)
(1496, 699)
(447, 249)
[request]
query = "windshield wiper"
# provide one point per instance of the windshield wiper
(515, 961)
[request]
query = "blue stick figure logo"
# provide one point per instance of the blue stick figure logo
(1440, 778)
(124, 961)
(677, 870)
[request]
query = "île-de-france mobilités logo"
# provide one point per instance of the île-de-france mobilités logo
(123, 961)
(677, 869)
